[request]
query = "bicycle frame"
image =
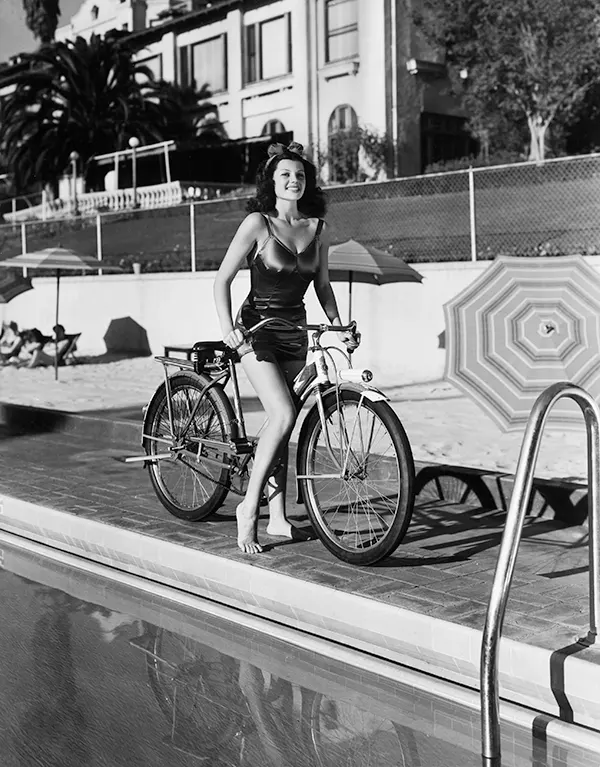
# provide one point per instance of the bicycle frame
(314, 378)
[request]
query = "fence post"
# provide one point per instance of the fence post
(13, 208)
(99, 239)
(193, 236)
(472, 220)
(44, 204)
(24, 245)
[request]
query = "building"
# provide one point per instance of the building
(310, 67)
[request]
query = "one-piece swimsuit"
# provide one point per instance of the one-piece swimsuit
(279, 279)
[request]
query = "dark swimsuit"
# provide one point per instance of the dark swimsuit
(279, 278)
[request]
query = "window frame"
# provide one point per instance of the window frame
(252, 46)
(185, 71)
(344, 30)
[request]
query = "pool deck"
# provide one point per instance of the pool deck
(424, 607)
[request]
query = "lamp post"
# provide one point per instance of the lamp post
(73, 157)
(134, 142)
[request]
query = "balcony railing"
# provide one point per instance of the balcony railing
(143, 197)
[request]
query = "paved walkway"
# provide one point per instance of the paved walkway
(442, 425)
(424, 605)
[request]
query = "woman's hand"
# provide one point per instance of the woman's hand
(234, 339)
(350, 339)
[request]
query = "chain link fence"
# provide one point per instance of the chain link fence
(524, 209)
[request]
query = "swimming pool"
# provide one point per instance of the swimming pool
(102, 668)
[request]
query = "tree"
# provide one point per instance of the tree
(186, 112)
(88, 97)
(528, 60)
(355, 154)
(41, 17)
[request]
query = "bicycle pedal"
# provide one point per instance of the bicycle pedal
(242, 446)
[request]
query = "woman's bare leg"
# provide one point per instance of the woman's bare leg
(277, 482)
(274, 394)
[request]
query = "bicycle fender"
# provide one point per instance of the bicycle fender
(368, 392)
(158, 394)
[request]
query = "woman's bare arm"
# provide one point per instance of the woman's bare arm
(323, 287)
(247, 235)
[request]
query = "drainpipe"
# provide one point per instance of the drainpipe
(316, 133)
(394, 60)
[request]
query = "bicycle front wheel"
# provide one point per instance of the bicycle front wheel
(356, 477)
(194, 480)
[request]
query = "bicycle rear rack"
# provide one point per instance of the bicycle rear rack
(519, 503)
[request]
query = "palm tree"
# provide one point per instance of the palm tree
(41, 17)
(88, 97)
(184, 109)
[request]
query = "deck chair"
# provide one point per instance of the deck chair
(67, 354)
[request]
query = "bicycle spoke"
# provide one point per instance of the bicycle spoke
(189, 486)
(358, 509)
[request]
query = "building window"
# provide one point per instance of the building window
(268, 49)
(341, 29)
(204, 65)
(443, 138)
(343, 118)
(272, 127)
(343, 144)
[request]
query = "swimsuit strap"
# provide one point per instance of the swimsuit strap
(319, 228)
(268, 223)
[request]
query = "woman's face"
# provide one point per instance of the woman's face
(289, 179)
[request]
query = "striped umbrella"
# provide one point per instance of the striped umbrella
(12, 284)
(522, 325)
(56, 260)
(353, 262)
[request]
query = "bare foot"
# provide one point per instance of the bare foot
(246, 526)
(280, 528)
(284, 529)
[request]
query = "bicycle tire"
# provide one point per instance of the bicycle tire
(341, 510)
(188, 488)
(213, 719)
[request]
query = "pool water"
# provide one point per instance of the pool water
(98, 668)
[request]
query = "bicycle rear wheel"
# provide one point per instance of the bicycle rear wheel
(196, 688)
(194, 481)
(359, 493)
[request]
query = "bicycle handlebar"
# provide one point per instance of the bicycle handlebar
(320, 328)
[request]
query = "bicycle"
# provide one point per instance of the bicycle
(354, 465)
(198, 691)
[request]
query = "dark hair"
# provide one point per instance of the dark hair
(312, 203)
(34, 335)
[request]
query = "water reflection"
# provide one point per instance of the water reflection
(234, 713)
(94, 672)
(52, 722)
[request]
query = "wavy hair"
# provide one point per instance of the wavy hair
(312, 203)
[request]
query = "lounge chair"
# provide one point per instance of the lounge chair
(66, 355)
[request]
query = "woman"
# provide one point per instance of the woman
(285, 243)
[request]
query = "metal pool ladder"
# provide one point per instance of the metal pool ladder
(519, 503)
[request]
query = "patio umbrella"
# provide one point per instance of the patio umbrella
(353, 262)
(522, 325)
(56, 260)
(12, 284)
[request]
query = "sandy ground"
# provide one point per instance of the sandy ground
(442, 425)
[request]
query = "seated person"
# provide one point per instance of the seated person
(11, 342)
(38, 349)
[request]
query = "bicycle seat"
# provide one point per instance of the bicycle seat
(210, 346)
(207, 352)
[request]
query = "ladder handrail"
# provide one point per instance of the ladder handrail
(519, 503)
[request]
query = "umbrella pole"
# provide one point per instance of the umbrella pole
(349, 297)
(56, 323)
